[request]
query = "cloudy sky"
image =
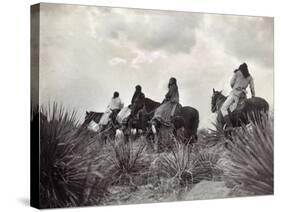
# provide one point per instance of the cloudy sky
(86, 53)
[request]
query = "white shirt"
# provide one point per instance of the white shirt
(240, 83)
(115, 103)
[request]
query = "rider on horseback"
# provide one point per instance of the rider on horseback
(240, 81)
(138, 94)
(114, 106)
(165, 112)
(137, 107)
(137, 101)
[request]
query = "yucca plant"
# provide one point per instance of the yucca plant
(67, 164)
(127, 161)
(250, 163)
(187, 165)
(215, 136)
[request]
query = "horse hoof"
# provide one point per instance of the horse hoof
(133, 131)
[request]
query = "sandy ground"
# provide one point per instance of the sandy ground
(208, 190)
(148, 194)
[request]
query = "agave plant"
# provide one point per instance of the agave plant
(187, 165)
(250, 166)
(67, 164)
(127, 160)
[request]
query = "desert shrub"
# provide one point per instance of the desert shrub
(127, 161)
(248, 167)
(68, 161)
(214, 136)
(187, 165)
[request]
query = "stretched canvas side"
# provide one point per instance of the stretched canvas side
(34, 120)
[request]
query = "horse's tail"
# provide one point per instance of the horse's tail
(265, 109)
(255, 110)
(260, 107)
(195, 124)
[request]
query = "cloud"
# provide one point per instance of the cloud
(245, 37)
(117, 61)
(146, 57)
(89, 52)
(149, 30)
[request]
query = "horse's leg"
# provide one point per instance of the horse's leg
(156, 143)
(155, 132)
(188, 137)
(175, 132)
(228, 135)
(164, 138)
(126, 135)
(127, 130)
(220, 121)
(103, 138)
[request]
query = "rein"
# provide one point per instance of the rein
(220, 100)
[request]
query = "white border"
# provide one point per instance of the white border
(14, 112)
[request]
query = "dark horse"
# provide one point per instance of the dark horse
(252, 108)
(186, 117)
(141, 114)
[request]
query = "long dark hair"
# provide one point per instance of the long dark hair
(115, 94)
(172, 81)
(244, 70)
(138, 88)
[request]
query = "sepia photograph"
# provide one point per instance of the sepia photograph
(133, 106)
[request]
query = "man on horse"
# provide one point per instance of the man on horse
(138, 94)
(114, 106)
(241, 79)
(137, 101)
(137, 106)
(166, 111)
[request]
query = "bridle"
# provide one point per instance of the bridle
(217, 100)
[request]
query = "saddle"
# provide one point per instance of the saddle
(241, 104)
(113, 115)
(177, 110)
(177, 119)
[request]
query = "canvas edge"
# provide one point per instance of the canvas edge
(151, 9)
(34, 110)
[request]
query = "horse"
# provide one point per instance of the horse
(252, 109)
(141, 114)
(186, 118)
(91, 116)
(96, 117)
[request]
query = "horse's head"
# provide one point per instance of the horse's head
(216, 95)
(92, 116)
(88, 117)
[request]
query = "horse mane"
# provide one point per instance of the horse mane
(217, 100)
(92, 116)
(96, 115)
(221, 96)
(151, 104)
(150, 101)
